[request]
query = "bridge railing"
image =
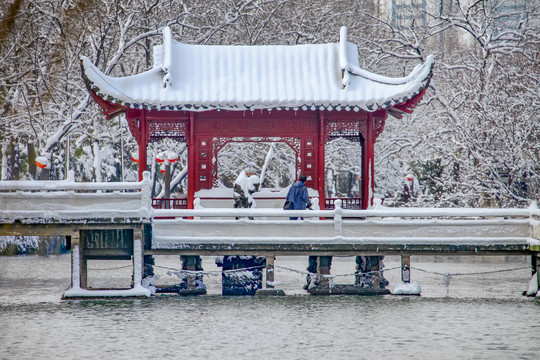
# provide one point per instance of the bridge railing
(339, 212)
(41, 201)
(388, 227)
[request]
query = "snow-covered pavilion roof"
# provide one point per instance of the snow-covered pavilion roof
(206, 77)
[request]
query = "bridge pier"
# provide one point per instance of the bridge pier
(76, 269)
(269, 284)
(192, 284)
(406, 268)
(376, 276)
(83, 269)
(138, 257)
(535, 262)
(84, 246)
(323, 268)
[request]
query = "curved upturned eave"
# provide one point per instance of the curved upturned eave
(110, 90)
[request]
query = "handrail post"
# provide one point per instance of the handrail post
(338, 218)
(146, 196)
(534, 220)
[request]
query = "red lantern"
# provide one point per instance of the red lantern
(42, 162)
(172, 156)
(160, 158)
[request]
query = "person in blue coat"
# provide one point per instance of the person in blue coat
(298, 195)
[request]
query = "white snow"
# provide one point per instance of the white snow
(41, 201)
(226, 193)
(75, 291)
(137, 291)
(247, 184)
(533, 285)
(149, 283)
(203, 77)
(407, 289)
(450, 226)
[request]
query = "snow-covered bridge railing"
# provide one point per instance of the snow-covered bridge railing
(69, 201)
(339, 231)
(103, 221)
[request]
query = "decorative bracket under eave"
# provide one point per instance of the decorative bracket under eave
(109, 109)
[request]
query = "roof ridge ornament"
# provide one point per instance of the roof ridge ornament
(167, 57)
(343, 59)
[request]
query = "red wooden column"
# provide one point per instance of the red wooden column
(143, 143)
(191, 161)
(320, 165)
(368, 164)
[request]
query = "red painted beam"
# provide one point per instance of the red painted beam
(143, 143)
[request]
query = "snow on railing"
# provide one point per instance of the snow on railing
(71, 184)
(339, 212)
(425, 223)
(421, 226)
(68, 199)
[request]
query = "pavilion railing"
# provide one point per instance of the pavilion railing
(169, 203)
(173, 203)
(346, 203)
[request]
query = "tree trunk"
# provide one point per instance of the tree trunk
(31, 160)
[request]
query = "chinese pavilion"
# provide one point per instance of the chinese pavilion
(303, 95)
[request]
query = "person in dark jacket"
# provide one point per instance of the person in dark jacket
(298, 195)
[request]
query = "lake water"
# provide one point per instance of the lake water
(473, 317)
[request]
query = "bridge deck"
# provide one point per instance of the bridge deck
(93, 215)
(351, 232)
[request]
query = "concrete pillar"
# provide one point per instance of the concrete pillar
(270, 272)
(190, 264)
(406, 268)
(376, 275)
(323, 268)
(75, 261)
(84, 269)
(537, 267)
(138, 257)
